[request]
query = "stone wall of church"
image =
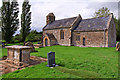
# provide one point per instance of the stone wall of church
(53, 42)
(92, 39)
(56, 32)
(105, 38)
(112, 34)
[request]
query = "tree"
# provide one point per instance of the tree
(10, 19)
(0, 26)
(6, 22)
(102, 12)
(117, 24)
(34, 36)
(118, 30)
(14, 15)
(25, 20)
(17, 38)
(105, 12)
(0, 19)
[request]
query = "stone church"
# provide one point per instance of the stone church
(75, 31)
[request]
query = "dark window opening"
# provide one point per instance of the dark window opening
(61, 34)
(46, 42)
(83, 41)
(77, 38)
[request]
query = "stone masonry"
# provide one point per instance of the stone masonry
(94, 32)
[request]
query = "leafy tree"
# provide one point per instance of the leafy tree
(118, 30)
(31, 36)
(6, 22)
(0, 19)
(10, 19)
(34, 36)
(25, 20)
(0, 26)
(14, 15)
(17, 38)
(102, 12)
(105, 12)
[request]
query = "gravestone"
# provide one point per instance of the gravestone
(51, 59)
(31, 45)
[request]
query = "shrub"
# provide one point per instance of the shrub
(34, 36)
(3, 41)
(16, 41)
(17, 38)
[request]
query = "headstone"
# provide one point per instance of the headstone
(31, 45)
(51, 59)
(118, 46)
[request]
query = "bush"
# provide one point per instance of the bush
(17, 38)
(3, 41)
(34, 36)
(16, 41)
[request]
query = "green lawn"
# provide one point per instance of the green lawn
(21, 43)
(74, 62)
(3, 51)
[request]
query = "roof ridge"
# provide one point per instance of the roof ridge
(82, 19)
(95, 17)
(66, 18)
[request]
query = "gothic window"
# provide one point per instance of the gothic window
(77, 38)
(61, 34)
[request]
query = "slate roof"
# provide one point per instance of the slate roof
(60, 23)
(92, 24)
(51, 36)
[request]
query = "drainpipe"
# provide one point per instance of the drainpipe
(104, 38)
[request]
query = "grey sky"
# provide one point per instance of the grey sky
(65, 9)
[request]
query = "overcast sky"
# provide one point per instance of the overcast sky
(65, 9)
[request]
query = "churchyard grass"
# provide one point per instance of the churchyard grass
(3, 51)
(21, 43)
(74, 62)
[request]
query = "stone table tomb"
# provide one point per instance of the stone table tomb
(18, 54)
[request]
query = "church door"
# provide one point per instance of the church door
(46, 42)
(83, 41)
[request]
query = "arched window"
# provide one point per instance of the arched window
(61, 34)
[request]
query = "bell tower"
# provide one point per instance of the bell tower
(50, 18)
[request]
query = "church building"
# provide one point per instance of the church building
(75, 31)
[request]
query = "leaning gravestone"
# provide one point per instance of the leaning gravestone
(31, 45)
(51, 59)
(118, 46)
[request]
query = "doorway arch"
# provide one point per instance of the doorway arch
(46, 42)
